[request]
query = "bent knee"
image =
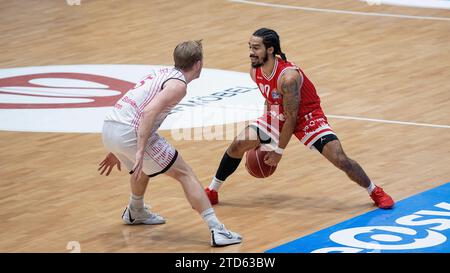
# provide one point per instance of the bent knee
(239, 147)
(181, 172)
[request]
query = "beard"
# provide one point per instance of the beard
(259, 64)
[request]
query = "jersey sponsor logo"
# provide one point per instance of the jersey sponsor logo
(76, 98)
(417, 224)
(276, 95)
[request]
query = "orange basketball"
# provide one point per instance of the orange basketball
(255, 164)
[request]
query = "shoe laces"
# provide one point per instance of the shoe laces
(220, 227)
(378, 192)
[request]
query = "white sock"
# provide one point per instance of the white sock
(210, 218)
(370, 188)
(215, 184)
(136, 202)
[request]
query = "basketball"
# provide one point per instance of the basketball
(255, 164)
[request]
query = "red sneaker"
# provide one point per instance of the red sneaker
(213, 196)
(381, 199)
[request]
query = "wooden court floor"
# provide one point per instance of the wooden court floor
(389, 68)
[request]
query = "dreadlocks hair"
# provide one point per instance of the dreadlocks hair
(270, 39)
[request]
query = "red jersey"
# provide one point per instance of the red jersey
(268, 85)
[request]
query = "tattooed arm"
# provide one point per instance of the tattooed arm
(289, 84)
(290, 89)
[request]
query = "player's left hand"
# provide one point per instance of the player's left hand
(272, 158)
(108, 164)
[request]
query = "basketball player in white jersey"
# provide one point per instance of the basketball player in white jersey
(129, 133)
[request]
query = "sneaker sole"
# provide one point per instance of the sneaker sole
(143, 223)
(227, 244)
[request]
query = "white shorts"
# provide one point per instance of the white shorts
(121, 140)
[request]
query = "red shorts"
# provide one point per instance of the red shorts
(310, 128)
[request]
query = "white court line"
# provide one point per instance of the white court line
(391, 121)
(259, 109)
(342, 11)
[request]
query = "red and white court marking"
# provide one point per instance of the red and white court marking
(60, 90)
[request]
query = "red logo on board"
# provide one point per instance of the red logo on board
(95, 101)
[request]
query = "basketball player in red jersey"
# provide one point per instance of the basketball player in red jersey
(293, 107)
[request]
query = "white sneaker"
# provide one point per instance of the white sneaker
(141, 216)
(221, 236)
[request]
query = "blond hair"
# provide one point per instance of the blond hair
(186, 54)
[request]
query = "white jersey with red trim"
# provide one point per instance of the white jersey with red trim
(128, 110)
